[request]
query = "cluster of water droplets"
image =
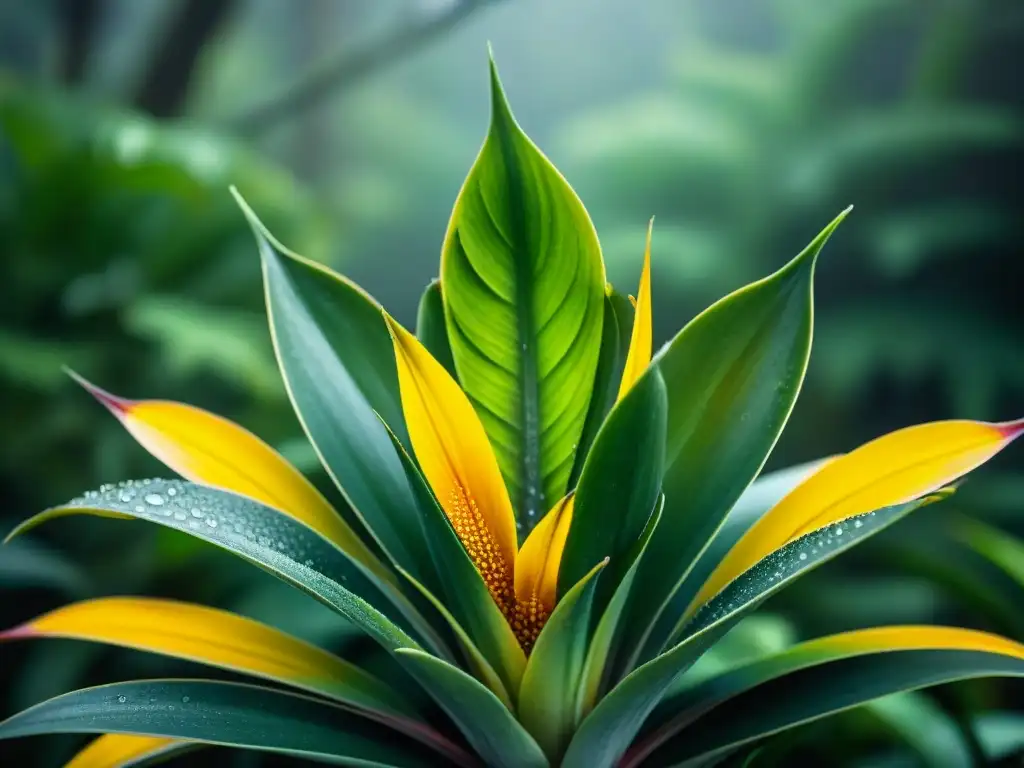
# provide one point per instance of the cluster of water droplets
(218, 516)
(783, 564)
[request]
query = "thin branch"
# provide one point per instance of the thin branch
(350, 68)
(164, 87)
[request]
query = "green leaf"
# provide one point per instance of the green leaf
(733, 375)
(620, 483)
(229, 714)
(431, 328)
(261, 535)
(27, 563)
(523, 285)
(999, 548)
(615, 335)
(485, 722)
(338, 365)
(921, 726)
(548, 696)
(608, 731)
(467, 601)
(799, 686)
(604, 644)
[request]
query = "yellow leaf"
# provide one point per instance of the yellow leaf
(113, 750)
(206, 448)
(640, 342)
(214, 637)
(910, 638)
(456, 458)
(541, 554)
(893, 469)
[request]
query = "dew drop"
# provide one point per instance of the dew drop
(180, 515)
(126, 496)
(122, 699)
(140, 509)
(803, 555)
(155, 499)
(212, 522)
(196, 512)
(185, 699)
(172, 491)
(858, 524)
(194, 524)
(838, 531)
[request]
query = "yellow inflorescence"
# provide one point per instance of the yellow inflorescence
(526, 618)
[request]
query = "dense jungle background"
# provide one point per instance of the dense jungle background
(743, 126)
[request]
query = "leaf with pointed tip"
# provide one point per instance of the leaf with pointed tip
(523, 285)
(338, 365)
(431, 327)
(486, 723)
(125, 749)
(732, 374)
(615, 333)
(547, 697)
(257, 533)
(815, 679)
(608, 731)
(620, 483)
(228, 714)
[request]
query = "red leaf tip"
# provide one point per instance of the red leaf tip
(1011, 429)
(116, 405)
(23, 632)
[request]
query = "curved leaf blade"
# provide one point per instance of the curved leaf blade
(619, 486)
(607, 732)
(217, 638)
(338, 366)
(816, 679)
(124, 749)
(228, 714)
(733, 375)
(486, 723)
(551, 681)
(254, 532)
(523, 286)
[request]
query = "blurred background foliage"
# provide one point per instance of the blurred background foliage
(742, 125)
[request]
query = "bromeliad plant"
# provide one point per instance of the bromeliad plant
(540, 537)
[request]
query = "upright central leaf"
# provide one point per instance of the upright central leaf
(523, 287)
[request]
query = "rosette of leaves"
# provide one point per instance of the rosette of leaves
(537, 524)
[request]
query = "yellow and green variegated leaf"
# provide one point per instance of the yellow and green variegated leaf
(523, 285)
(217, 638)
(484, 720)
(547, 698)
(605, 735)
(467, 605)
(432, 328)
(732, 375)
(234, 715)
(206, 448)
(261, 535)
(125, 749)
(813, 680)
(892, 469)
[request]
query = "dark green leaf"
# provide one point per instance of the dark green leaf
(27, 563)
(523, 285)
(615, 335)
(432, 329)
(551, 682)
(608, 731)
(793, 688)
(263, 536)
(338, 364)
(231, 714)
(732, 374)
(619, 486)
(486, 723)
